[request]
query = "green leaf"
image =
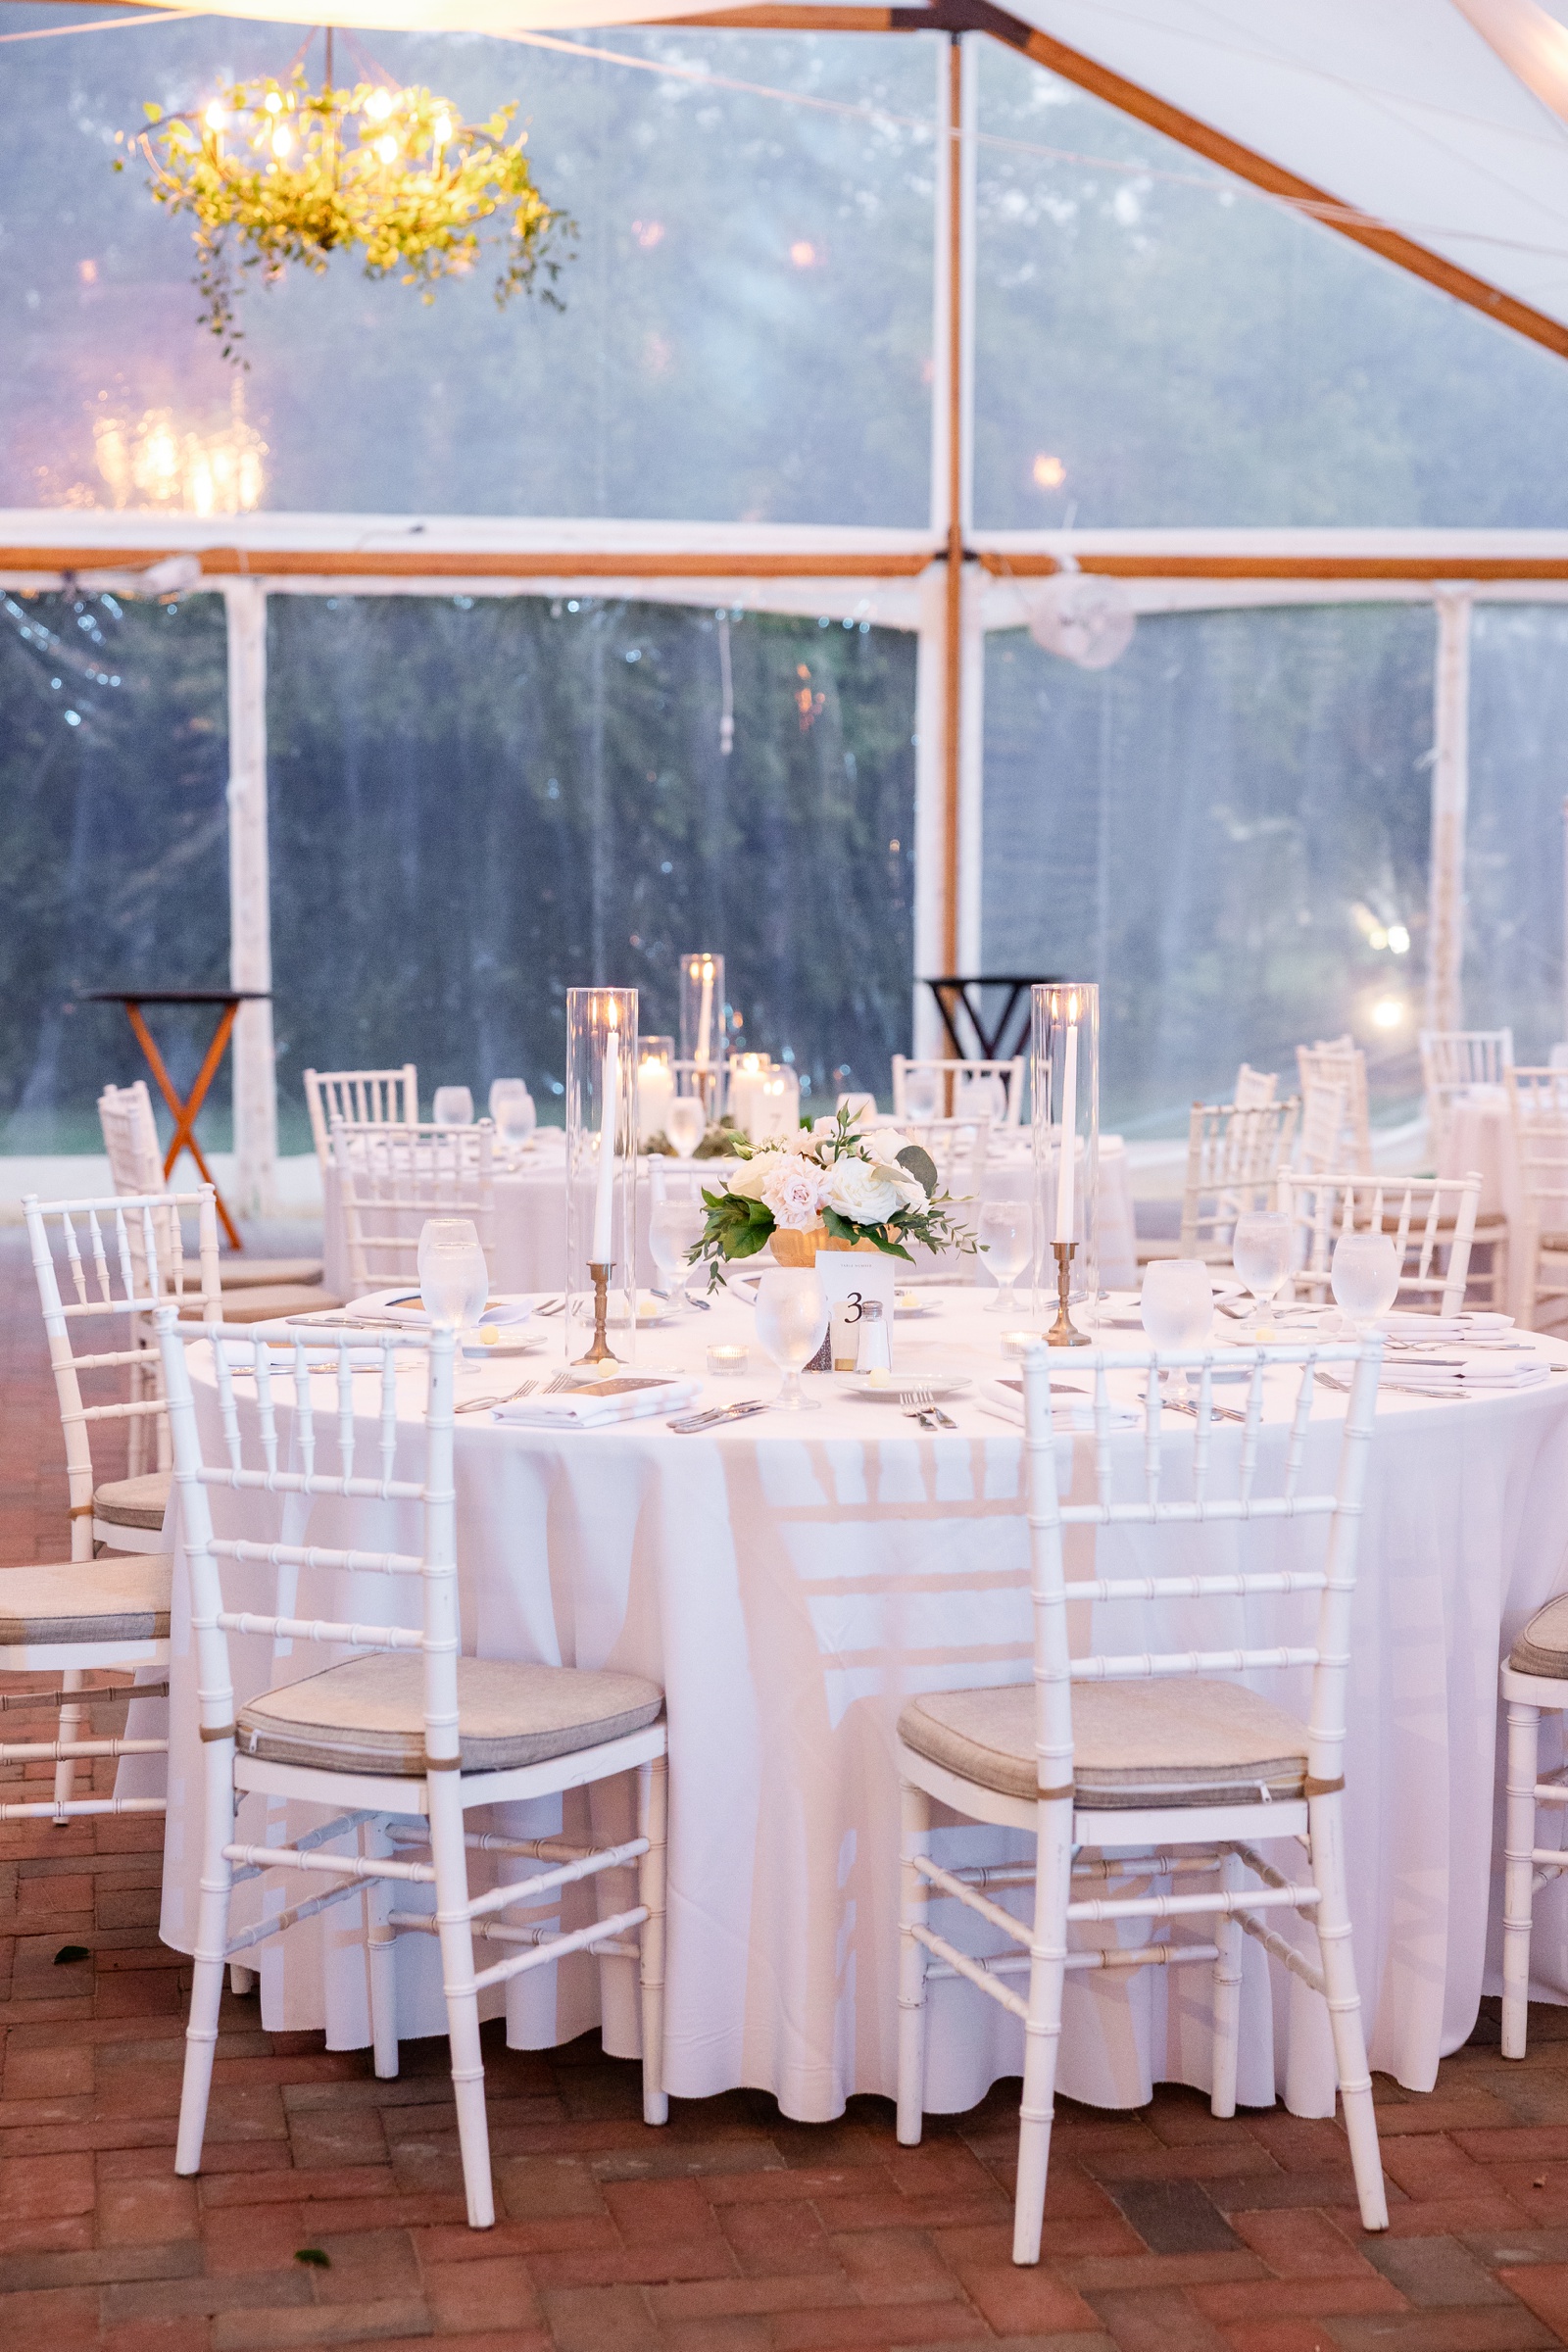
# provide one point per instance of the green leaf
(919, 1164)
(747, 1243)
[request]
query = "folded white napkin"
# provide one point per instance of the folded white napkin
(629, 1396)
(1439, 1380)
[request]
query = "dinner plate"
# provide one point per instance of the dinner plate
(898, 1385)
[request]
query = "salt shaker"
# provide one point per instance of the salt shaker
(873, 1355)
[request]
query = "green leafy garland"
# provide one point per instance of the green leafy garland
(296, 175)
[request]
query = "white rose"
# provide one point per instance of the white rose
(827, 1126)
(886, 1145)
(793, 1189)
(861, 1192)
(746, 1177)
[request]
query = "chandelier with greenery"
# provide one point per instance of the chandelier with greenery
(291, 175)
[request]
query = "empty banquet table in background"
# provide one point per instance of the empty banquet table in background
(791, 1583)
(530, 1212)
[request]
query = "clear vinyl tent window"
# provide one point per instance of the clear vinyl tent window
(1157, 344)
(477, 803)
(1514, 847)
(747, 330)
(114, 846)
(1228, 830)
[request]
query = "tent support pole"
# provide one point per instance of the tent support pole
(1451, 792)
(250, 929)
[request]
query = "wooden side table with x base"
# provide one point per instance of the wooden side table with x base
(184, 1114)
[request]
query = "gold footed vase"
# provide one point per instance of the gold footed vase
(801, 1249)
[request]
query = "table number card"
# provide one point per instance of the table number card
(850, 1277)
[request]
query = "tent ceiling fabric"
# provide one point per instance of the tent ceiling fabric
(1446, 119)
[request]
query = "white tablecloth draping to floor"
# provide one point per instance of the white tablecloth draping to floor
(530, 1245)
(1481, 1137)
(791, 1583)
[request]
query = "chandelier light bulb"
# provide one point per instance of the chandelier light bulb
(443, 130)
(273, 103)
(387, 149)
(215, 118)
(379, 105)
(282, 141)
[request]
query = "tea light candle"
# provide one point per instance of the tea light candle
(727, 1363)
(655, 1091)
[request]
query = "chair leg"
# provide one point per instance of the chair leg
(71, 1720)
(380, 1895)
(1519, 1872)
(653, 1808)
(1325, 1824)
(1227, 1994)
(463, 2001)
(915, 1807)
(1042, 2032)
(212, 1943)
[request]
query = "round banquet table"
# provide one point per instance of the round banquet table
(530, 1211)
(791, 1583)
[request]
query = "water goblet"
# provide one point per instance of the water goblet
(1177, 1310)
(1260, 1252)
(922, 1093)
(686, 1123)
(453, 1106)
(791, 1325)
(1006, 1234)
(511, 1108)
(454, 1280)
(1364, 1275)
(675, 1227)
(982, 1097)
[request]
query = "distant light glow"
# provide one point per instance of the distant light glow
(1050, 473)
(803, 255)
(1388, 1012)
(387, 149)
(1399, 939)
(273, 103)
(443, 130)
(648, 233)
(215, 118)
(282, 141)
(377, 106)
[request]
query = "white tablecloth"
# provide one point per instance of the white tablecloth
(791, 1583)
(530, 1245)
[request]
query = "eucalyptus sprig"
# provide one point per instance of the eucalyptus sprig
(292, 174)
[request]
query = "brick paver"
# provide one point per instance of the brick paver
(734, 2230)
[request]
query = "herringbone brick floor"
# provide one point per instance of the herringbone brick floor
(733, 2230)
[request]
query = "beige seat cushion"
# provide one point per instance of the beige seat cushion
(122, 1597)
(271, 1300)
(254, 1273)
(133, 1501)
(1542, 1646)
(1180, 1742)
(366, 1715)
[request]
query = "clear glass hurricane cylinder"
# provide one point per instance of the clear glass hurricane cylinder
(601, 1065)
(703, 1028)
(1064, 1081)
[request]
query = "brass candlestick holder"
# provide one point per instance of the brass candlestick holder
(601, 1352)
(1064, 1333)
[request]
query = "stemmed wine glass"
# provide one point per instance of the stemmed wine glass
(454, 1106)
(1006, 1235)
(454, 1280)
(922, 1091)
(791, 1325)
(685, 1124)
(1364, 1275)
(511, 1108)
(1177, 1309)
(675, 1226)
(1260, 1252)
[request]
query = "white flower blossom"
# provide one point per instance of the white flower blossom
(861, 1192)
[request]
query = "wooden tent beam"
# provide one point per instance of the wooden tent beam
(567, 564)
(1172, 123)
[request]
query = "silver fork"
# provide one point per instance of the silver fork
(475, 1405)
(921, 1405)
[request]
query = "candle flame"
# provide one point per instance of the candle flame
(1072, 1007)
(612, 1014)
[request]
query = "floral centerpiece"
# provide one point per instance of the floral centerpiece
(833, 1187)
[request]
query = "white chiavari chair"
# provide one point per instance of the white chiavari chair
(136, 1167)
(1431, 1220)
(119, 1261)
(360, 1098)
(1132, 1766)
(948, 1078)
(1339, 1062)
(1537, 1101)
(1255, 1088)
(402, 1742)
(1322, 1127)
(1453, 1062)
(1233, 1156)
(391, 1178)
(1535, 1682)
